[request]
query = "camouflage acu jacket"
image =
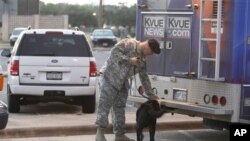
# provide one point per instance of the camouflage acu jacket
(118, 68)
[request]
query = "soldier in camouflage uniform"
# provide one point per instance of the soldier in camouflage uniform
(127, 58)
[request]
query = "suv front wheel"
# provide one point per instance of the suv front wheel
(88, 104)
(13, 102)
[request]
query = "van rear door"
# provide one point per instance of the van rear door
(174, 33)
(170, 22)
(178, 44)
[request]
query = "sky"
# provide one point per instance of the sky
(95, 2)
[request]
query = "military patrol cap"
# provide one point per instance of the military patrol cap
(154, 46)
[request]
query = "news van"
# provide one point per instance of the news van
(203, 69)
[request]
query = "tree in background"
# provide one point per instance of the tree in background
(78, 15)
(82, 15)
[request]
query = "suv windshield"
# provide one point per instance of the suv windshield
(54, 45)
(17, 31)
(103, 33)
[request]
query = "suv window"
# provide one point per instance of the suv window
(54, 45)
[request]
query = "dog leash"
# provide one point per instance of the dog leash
(135, 80)
(134, 77)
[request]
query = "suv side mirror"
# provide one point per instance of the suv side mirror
(6, 52)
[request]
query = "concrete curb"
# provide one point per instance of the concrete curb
(89, 129)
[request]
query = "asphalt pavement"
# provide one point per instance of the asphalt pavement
(42, 123)
(179, 135)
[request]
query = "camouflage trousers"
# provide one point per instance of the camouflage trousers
(112, 100)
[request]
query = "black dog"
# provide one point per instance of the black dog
(147, 115)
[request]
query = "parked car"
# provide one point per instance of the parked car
(103, 37)
(14, 35)
(3, 108)
(51, 65)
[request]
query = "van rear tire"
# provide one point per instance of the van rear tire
(88, 104)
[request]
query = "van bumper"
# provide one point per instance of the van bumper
(186, 106)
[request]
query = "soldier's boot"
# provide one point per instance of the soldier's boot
(122, 138)
(100, 135)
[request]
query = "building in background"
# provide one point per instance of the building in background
(18, 7)
(24, 13)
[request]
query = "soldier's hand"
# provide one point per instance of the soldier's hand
(135, 60)
(155, 97)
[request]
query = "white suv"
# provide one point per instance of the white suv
(51, 65)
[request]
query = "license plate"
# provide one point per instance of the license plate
(247, 102)
(54, 76)
(180, 95)
(105, 44)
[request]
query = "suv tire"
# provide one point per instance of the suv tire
(13, 102)
(88, 104)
